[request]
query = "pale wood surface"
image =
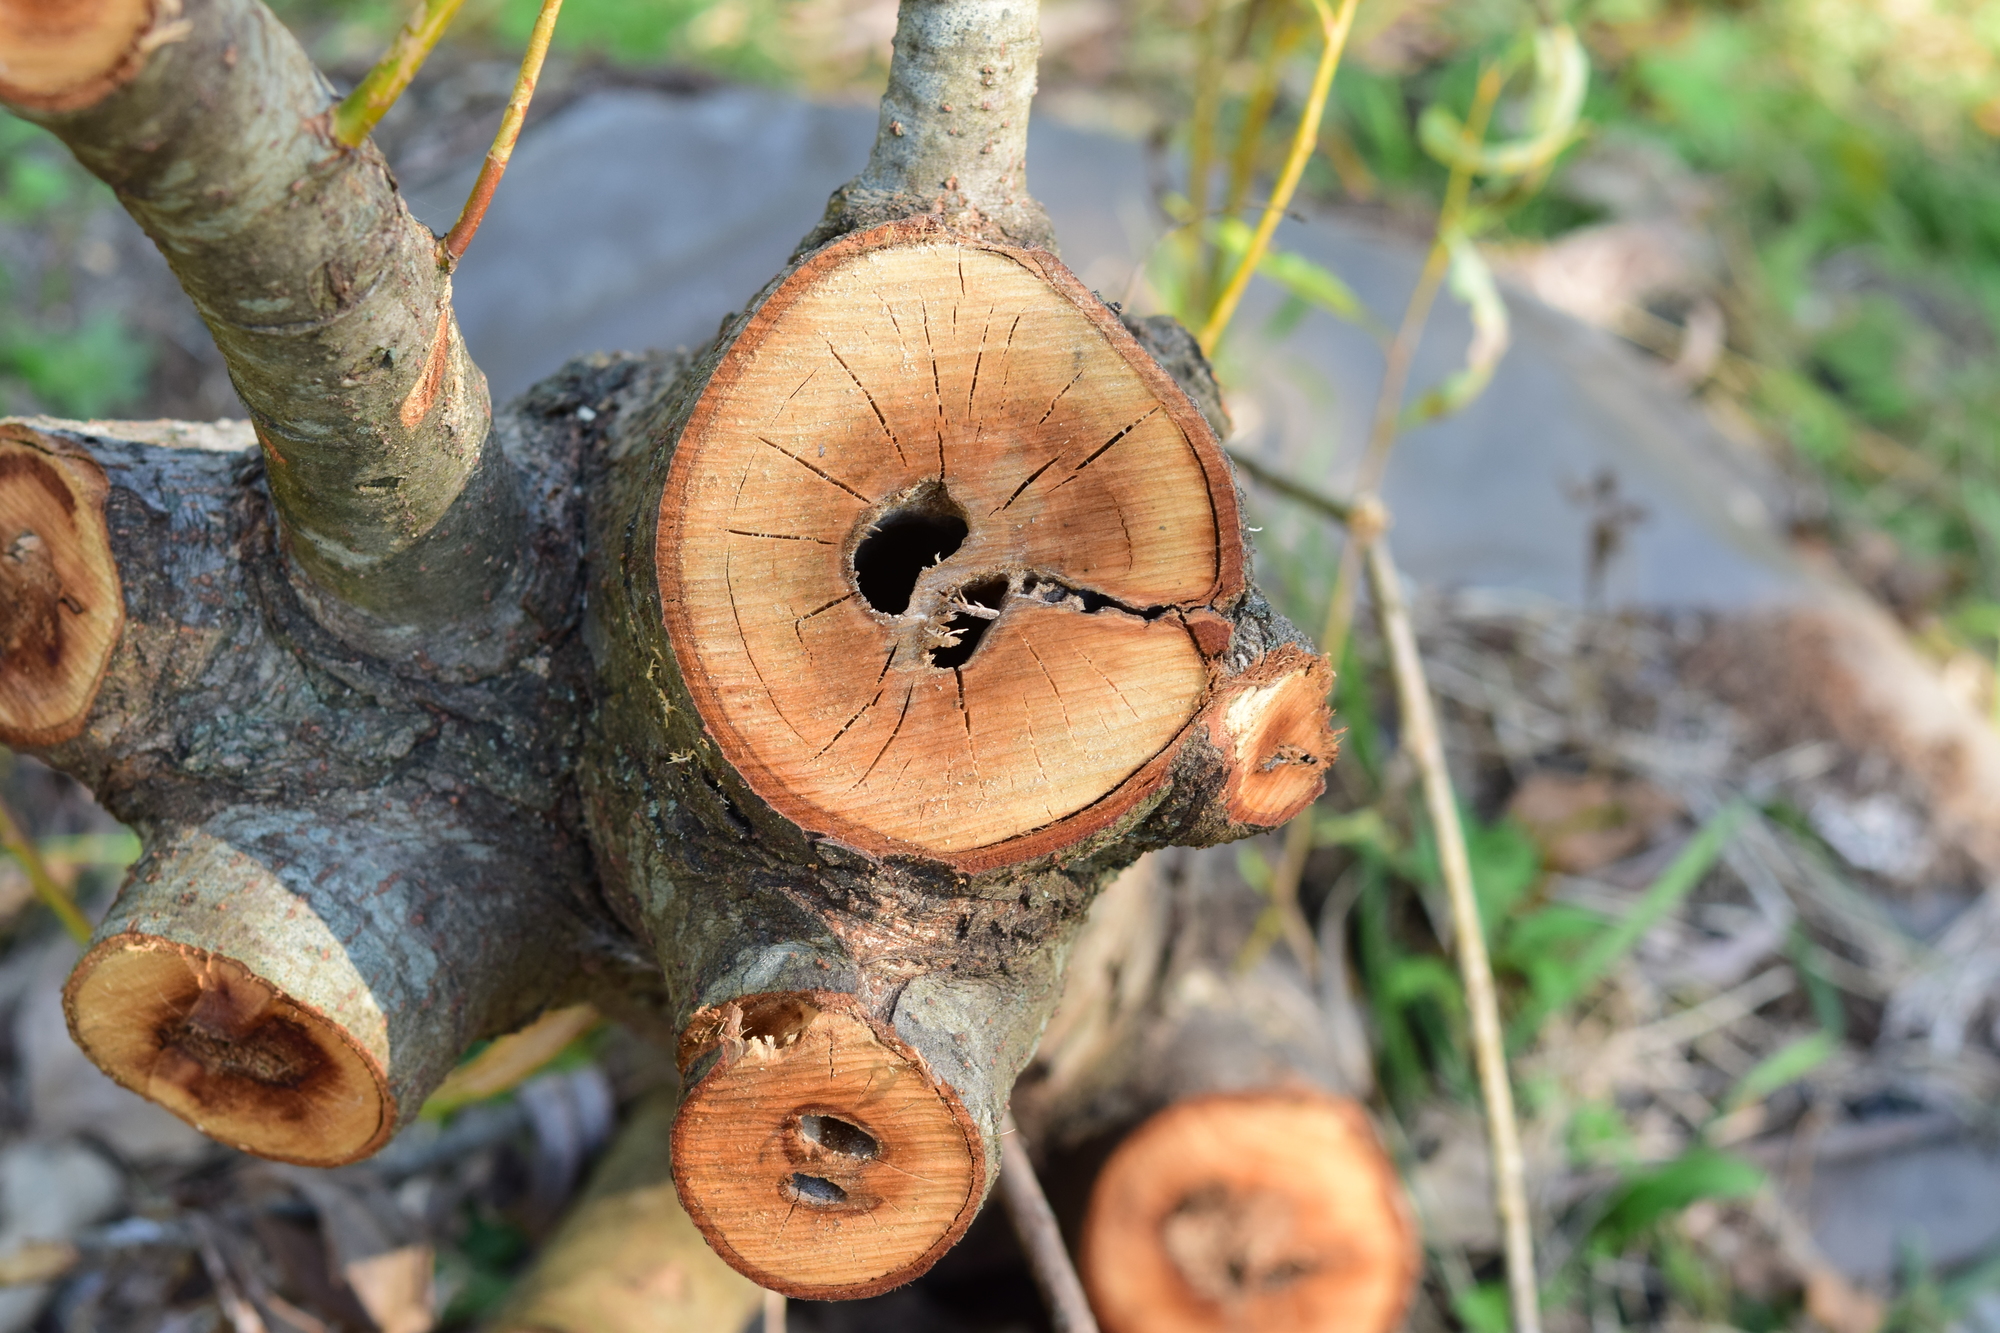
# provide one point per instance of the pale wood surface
(62, 54)
(1273, 1211)
(210, 1041)
(60, 603)
(820, 1160)
(957, 381)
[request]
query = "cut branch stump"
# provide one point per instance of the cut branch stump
(798, 695)
(952, 580)
(627, 1259)
(1242, 1184)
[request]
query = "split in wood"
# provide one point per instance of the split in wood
(801, 693)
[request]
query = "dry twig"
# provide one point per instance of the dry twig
(1421, 739)
(1041, 1240)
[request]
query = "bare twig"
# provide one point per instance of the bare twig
(1041, 1240)
(1335, 27)
(361, 110)
(236, 1307)
(452, 248)
(1421, 739)
(1340, 511)
(17, 844)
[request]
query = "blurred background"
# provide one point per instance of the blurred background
(1758, 1069)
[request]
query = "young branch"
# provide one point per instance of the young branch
(403, 524)
(1334, 29)
(452, 248)
(361, 110)
(953, 136)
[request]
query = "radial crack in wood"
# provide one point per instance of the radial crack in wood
(818, 1154)
(61, 608)
(929, 549)
(1274, 1210)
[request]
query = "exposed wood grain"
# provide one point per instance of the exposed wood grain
(1276, 1211)
(218, 1046)
(626, 1258)
(61, 608)
(56, 54)
(928, 548)
(818, 1154)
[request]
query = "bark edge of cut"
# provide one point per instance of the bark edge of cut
(750, 1164)
(62, 605)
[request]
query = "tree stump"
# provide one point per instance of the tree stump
(1238, 1182)
(1274, 1210)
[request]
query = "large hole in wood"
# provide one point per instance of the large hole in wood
(979, 607)
(835, 1135)
(814, 1190)
(902, 545)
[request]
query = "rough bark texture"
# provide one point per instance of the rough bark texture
(396, 856)
(955, 956)
(395, 797)
(953, 138)
(327, 301)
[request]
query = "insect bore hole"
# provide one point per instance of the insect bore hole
(814, 1190)
(838, 1136)
(902, 545)
(980, 605)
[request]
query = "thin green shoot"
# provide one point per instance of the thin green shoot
(362, 110)
(1666, 893)
(18, 845)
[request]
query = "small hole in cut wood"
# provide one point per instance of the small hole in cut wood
(816, 1190)
(902, 545)
(834, 1135)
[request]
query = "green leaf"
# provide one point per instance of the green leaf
(1471, 281)
(1562, 77)
(1483, 1308)
(1650, 1196)
(1787, 1064)
(1666, 893)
